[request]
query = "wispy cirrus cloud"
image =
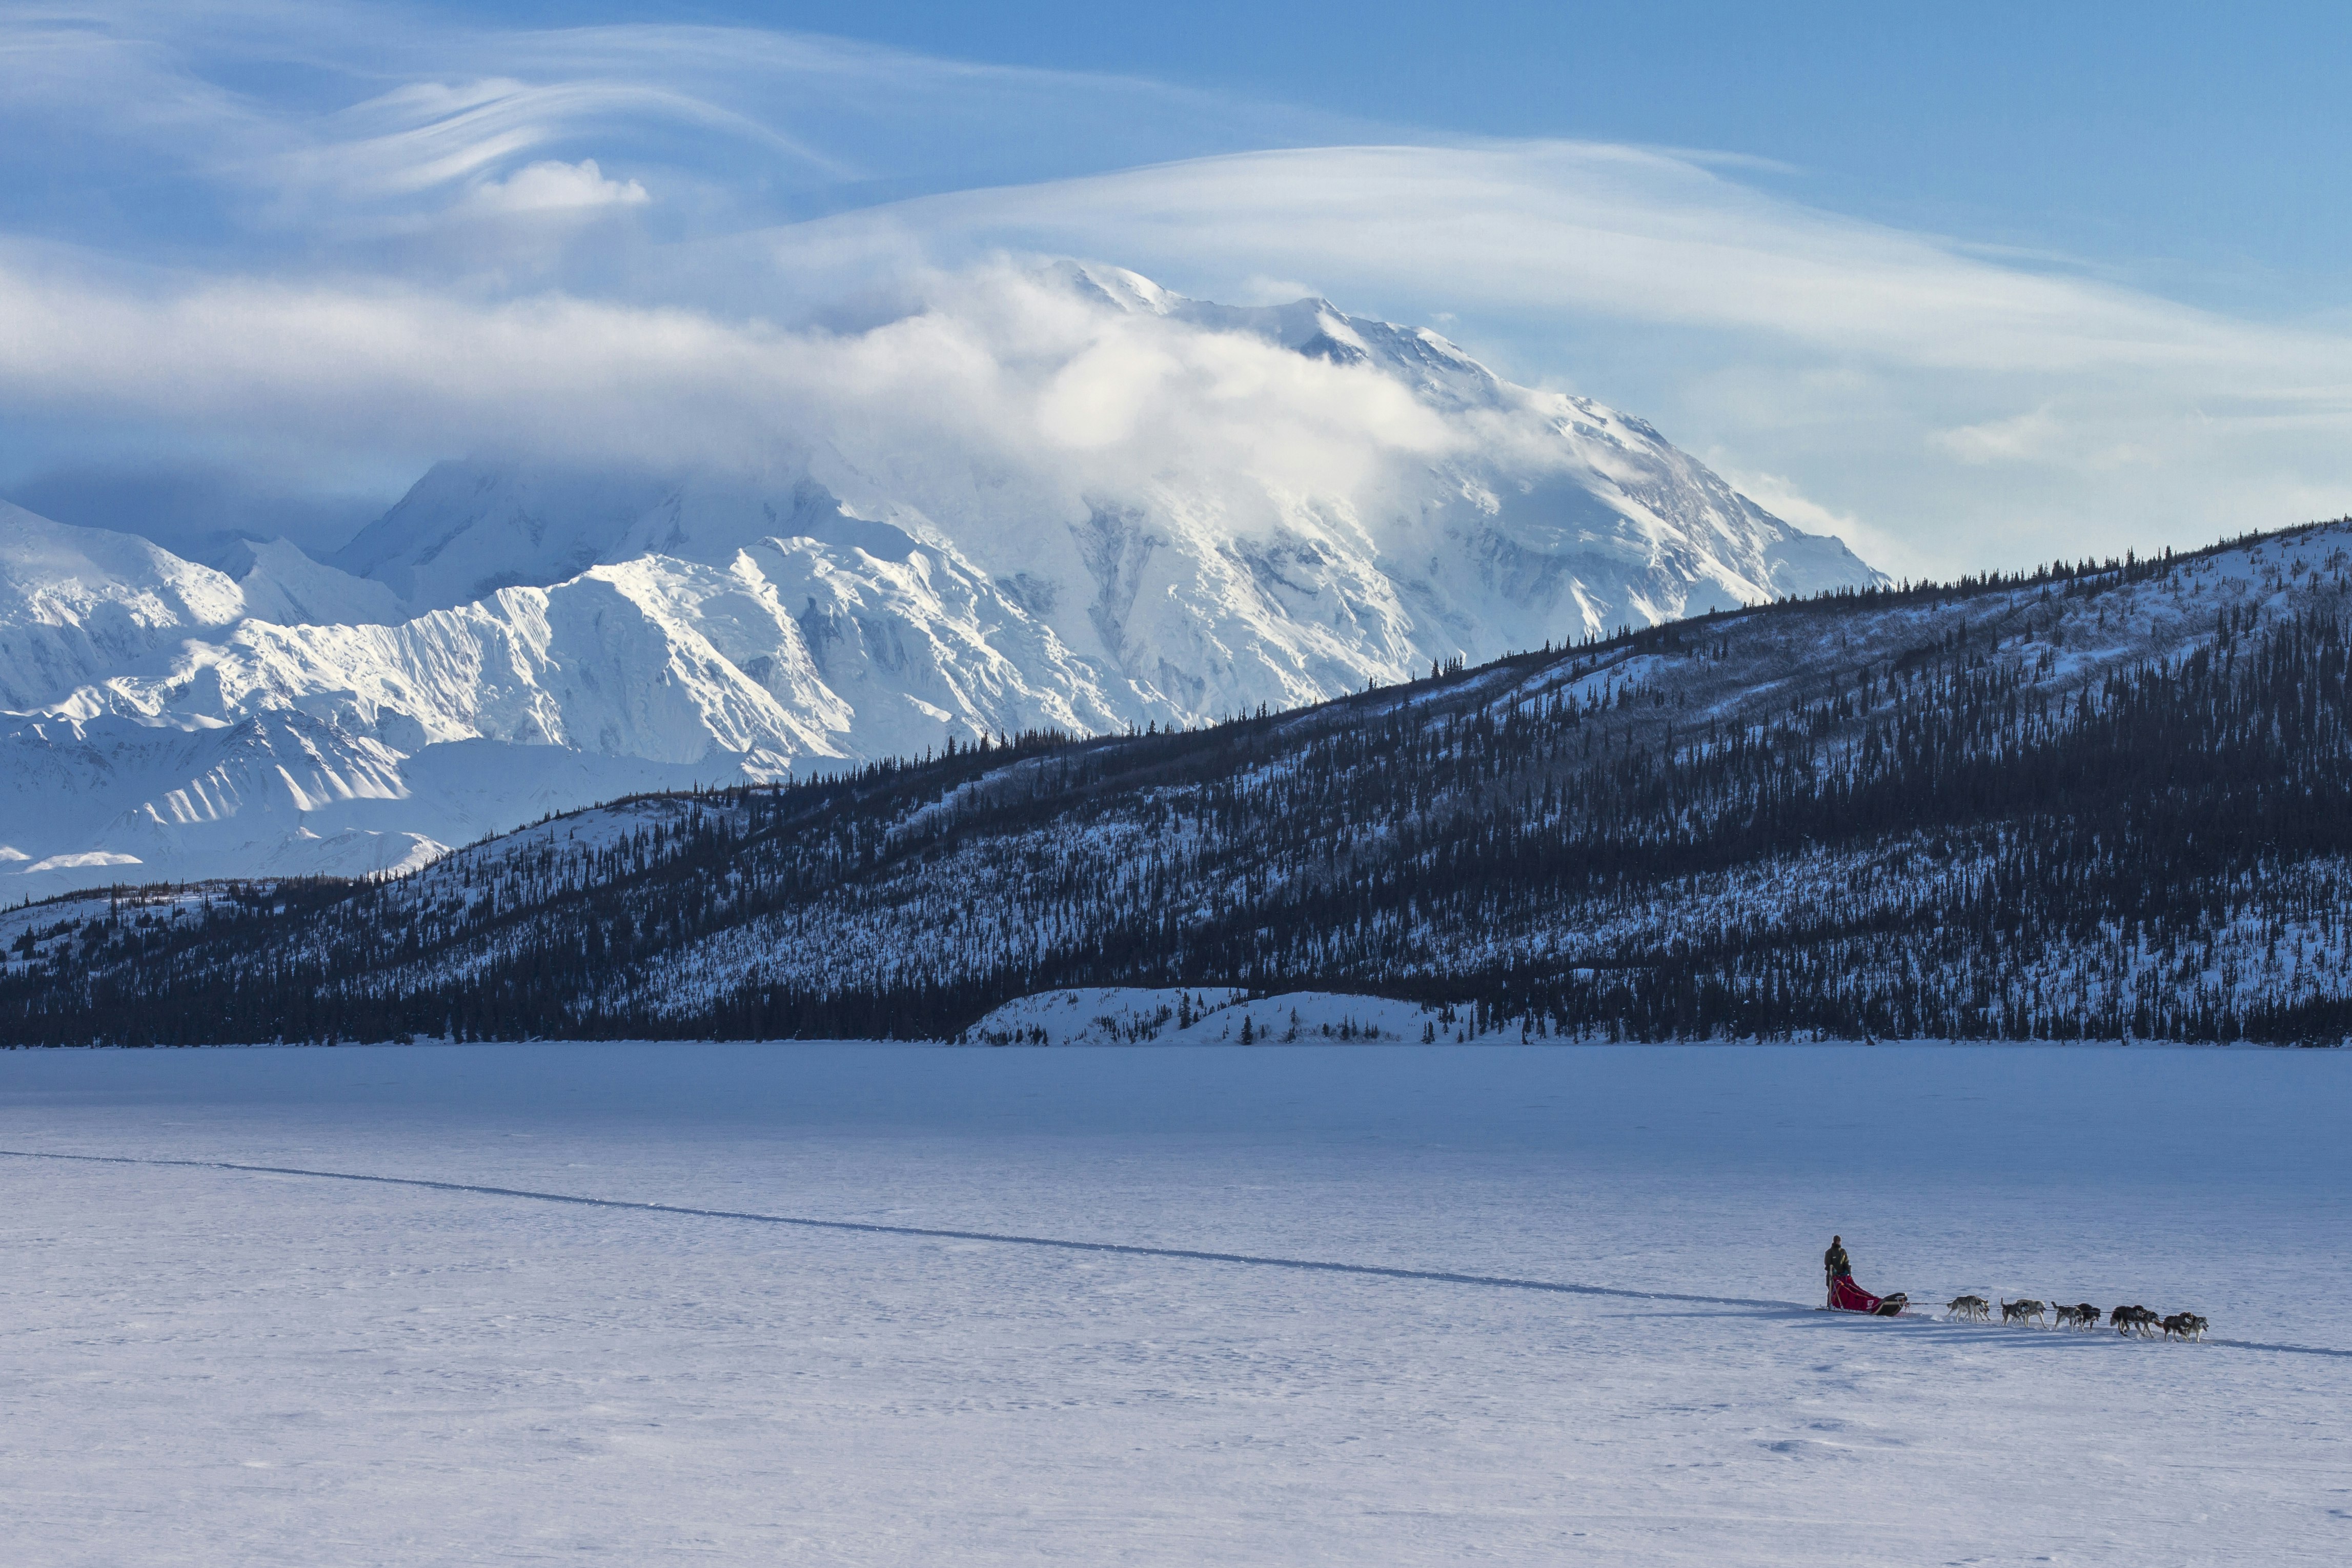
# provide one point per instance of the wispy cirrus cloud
(1561, 228)
(428, 135)
(303, 106)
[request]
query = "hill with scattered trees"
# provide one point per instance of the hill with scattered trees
(2091, 801)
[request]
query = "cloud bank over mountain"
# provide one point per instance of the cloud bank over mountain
(384, 237)
(1145, 510)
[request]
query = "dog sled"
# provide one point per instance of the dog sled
(1845, 1296)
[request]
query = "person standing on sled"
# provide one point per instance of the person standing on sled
(1837, 1265)
(1845, 1296)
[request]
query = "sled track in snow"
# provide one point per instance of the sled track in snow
(1122, 1248)
(1186, 1254)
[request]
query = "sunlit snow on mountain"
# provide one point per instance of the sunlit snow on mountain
(1134, 508)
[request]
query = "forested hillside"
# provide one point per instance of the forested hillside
(2095, 801)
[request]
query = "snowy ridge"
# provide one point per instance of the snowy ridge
(77, 602)
(368, 747)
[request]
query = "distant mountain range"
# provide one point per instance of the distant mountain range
(2103, 802)
(514, 639)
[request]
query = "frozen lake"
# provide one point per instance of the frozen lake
(207, 1365)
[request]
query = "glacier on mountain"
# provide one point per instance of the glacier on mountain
(522, 635)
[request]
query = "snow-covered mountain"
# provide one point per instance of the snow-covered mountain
(521, 636)
(2089, 803)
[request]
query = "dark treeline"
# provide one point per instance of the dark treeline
(2081, 803)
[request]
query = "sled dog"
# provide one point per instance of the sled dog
(2027, 1310)
(1974, 1309)
(2076, 1317)
(2188, 1325)
(2133, 1319)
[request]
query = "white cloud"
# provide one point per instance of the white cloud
(384, 105)
(1618, 232)
(1966, 406)
(1780, 496)
(426, 135)
(2021, 437)
(556, 187)
(1004, 380)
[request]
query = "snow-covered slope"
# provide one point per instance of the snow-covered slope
(1491, 517)
(78, 602)
(860, 599)
(1217, 1015)
(81, 604)
(257, 745)
(282, 584)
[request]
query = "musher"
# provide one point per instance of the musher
(1837, 1265)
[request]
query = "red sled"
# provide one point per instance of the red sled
(1845, 1296)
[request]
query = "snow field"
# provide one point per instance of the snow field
(210, 1366)
(1215, 1015)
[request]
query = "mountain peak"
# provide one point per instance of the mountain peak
(1150, 523)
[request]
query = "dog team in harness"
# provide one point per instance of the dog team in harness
(1845, 1296)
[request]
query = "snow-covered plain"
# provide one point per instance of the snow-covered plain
(210, 1366)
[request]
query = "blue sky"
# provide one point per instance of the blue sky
(2191, 144)
(1971, 289)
